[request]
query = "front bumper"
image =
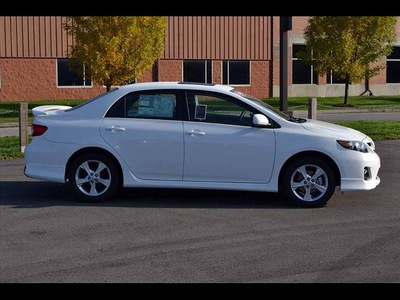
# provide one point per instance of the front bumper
(360, 172)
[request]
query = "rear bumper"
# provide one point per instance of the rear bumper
(47, 161)
(45, 172)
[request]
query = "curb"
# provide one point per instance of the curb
(371, 110)
(10, 125)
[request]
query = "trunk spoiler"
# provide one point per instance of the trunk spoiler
(45, 109)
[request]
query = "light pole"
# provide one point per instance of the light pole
(285, 26)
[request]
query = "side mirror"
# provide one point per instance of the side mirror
(260, 120)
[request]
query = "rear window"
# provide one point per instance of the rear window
(92, 99)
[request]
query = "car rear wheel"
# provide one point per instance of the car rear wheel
(308, 182)
(93, 177)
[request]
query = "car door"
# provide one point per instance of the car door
(146, 130)
(221, 145)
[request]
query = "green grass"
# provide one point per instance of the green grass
(9, 111)
(377, 130)
(10, 147)
(355, 102)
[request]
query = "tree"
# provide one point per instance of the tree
(115, 50)
(352, 48)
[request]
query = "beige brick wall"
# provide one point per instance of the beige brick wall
(30, 79)
(36, 79)
(171, 70)
(259, 80)
(217, 71)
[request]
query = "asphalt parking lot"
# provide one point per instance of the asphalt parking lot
(192, 236)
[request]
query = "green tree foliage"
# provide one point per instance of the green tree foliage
(353, 48)
(115, 49)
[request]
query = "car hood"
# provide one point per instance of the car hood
(338, 131)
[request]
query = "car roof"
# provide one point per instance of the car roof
(176, 85)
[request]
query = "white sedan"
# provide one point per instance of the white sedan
(198, 136)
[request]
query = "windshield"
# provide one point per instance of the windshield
(264, 104)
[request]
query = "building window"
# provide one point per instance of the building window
(235, 72)
(332, 79)
(393, 66)
(302, 73)
(197, 70)
(67, 77)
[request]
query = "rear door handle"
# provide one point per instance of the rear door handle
(195, 132)
(115, 128)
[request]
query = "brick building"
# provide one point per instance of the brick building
(242, 51)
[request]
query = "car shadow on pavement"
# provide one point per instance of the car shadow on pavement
(23, 194)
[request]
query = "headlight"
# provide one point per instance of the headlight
(370, 142)
(354, 145)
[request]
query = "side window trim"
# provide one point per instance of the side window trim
(190, 107)
(120, 108)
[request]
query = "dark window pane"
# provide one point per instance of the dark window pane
(209, 71)
(239, 72)
(152, 105)
(117, 110)
(301, 73)
(395, 53)
(88, 76)
(219, 109)
(332, 79)
(393, 72)
(236, 72)
(68, 77)
(315, 78)
(194, 71)
(335, 79)
(225, 72)
(297, 49)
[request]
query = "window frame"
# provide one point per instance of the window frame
(331, 79)
(84, 80)
(226, 79)
(208, 70)
(221, 96)
(393, 61)
(176, 117)
(313, 76)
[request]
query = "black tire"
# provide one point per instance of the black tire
(91, 183)
(313, 191)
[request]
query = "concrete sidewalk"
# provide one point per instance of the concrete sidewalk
(353, 115)
(11, 129)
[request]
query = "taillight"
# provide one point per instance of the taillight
(38, 130)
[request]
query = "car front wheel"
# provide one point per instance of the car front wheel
(308, 182)
(93, 177)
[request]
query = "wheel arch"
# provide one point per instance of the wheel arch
(313, 154)
(96, 150)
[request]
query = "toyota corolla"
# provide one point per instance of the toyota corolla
(195, 136)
